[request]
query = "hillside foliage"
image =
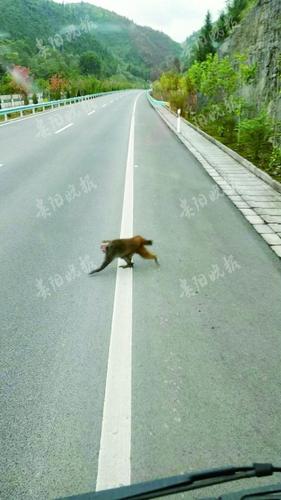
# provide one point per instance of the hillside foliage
(208, 95)
(80, 43)
(212, 34)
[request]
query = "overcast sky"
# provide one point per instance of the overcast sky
(177, 18)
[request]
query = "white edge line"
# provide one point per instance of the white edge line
(114, 465)
(64, 128)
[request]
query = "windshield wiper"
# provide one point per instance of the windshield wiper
(184, 482)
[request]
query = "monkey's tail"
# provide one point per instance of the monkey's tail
(148, 242)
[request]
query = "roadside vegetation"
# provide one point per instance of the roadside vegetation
(19, 80)
(210, 92)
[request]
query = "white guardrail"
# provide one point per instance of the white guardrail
(51, 104)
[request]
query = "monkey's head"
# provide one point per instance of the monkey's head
(104, 246)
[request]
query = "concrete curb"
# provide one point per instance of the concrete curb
(246, 163)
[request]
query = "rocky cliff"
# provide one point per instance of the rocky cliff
(259, 36)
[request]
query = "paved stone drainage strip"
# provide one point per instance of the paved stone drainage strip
(258, 201)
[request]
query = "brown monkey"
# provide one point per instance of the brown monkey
(125, 249)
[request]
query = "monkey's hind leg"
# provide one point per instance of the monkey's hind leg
(128, 259)
(145, 254)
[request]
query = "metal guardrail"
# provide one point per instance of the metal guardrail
(155, 101)
(20, 109)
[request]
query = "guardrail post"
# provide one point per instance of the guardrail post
(21, 114)
(179, 121)
(6, 117)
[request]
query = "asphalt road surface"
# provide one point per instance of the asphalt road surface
(203, 351)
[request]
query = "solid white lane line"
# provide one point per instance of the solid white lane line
(91, 112)
(64, 128)
(114, 466)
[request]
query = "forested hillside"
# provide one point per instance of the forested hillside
(80, 40)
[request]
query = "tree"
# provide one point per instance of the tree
(204, 44)
(21, 81)
(42, 85)
(169, 82)
(177, 64)
(57, 86)
(54, 63)
(2, 70)
(221, 29)
(235, 9)
(90, 64)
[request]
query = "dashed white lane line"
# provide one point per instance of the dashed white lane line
(91, 112)
(114, 466)
(1, 165)
(63, 128)
(35, 115)
(17, 120)
(104, 105)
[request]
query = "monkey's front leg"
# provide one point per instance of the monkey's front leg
(105, 263)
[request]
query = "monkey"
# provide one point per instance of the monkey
(125, 249)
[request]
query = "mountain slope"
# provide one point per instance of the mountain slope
(259, 36)
(76, 28)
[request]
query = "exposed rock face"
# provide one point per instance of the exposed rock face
(259, 36)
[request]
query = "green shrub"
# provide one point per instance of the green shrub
(254, 138)
(274, 167)
(177, 100)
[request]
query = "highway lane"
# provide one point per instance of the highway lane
(41, 129)
(206, 382)
(54, 349)
(206, 379)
